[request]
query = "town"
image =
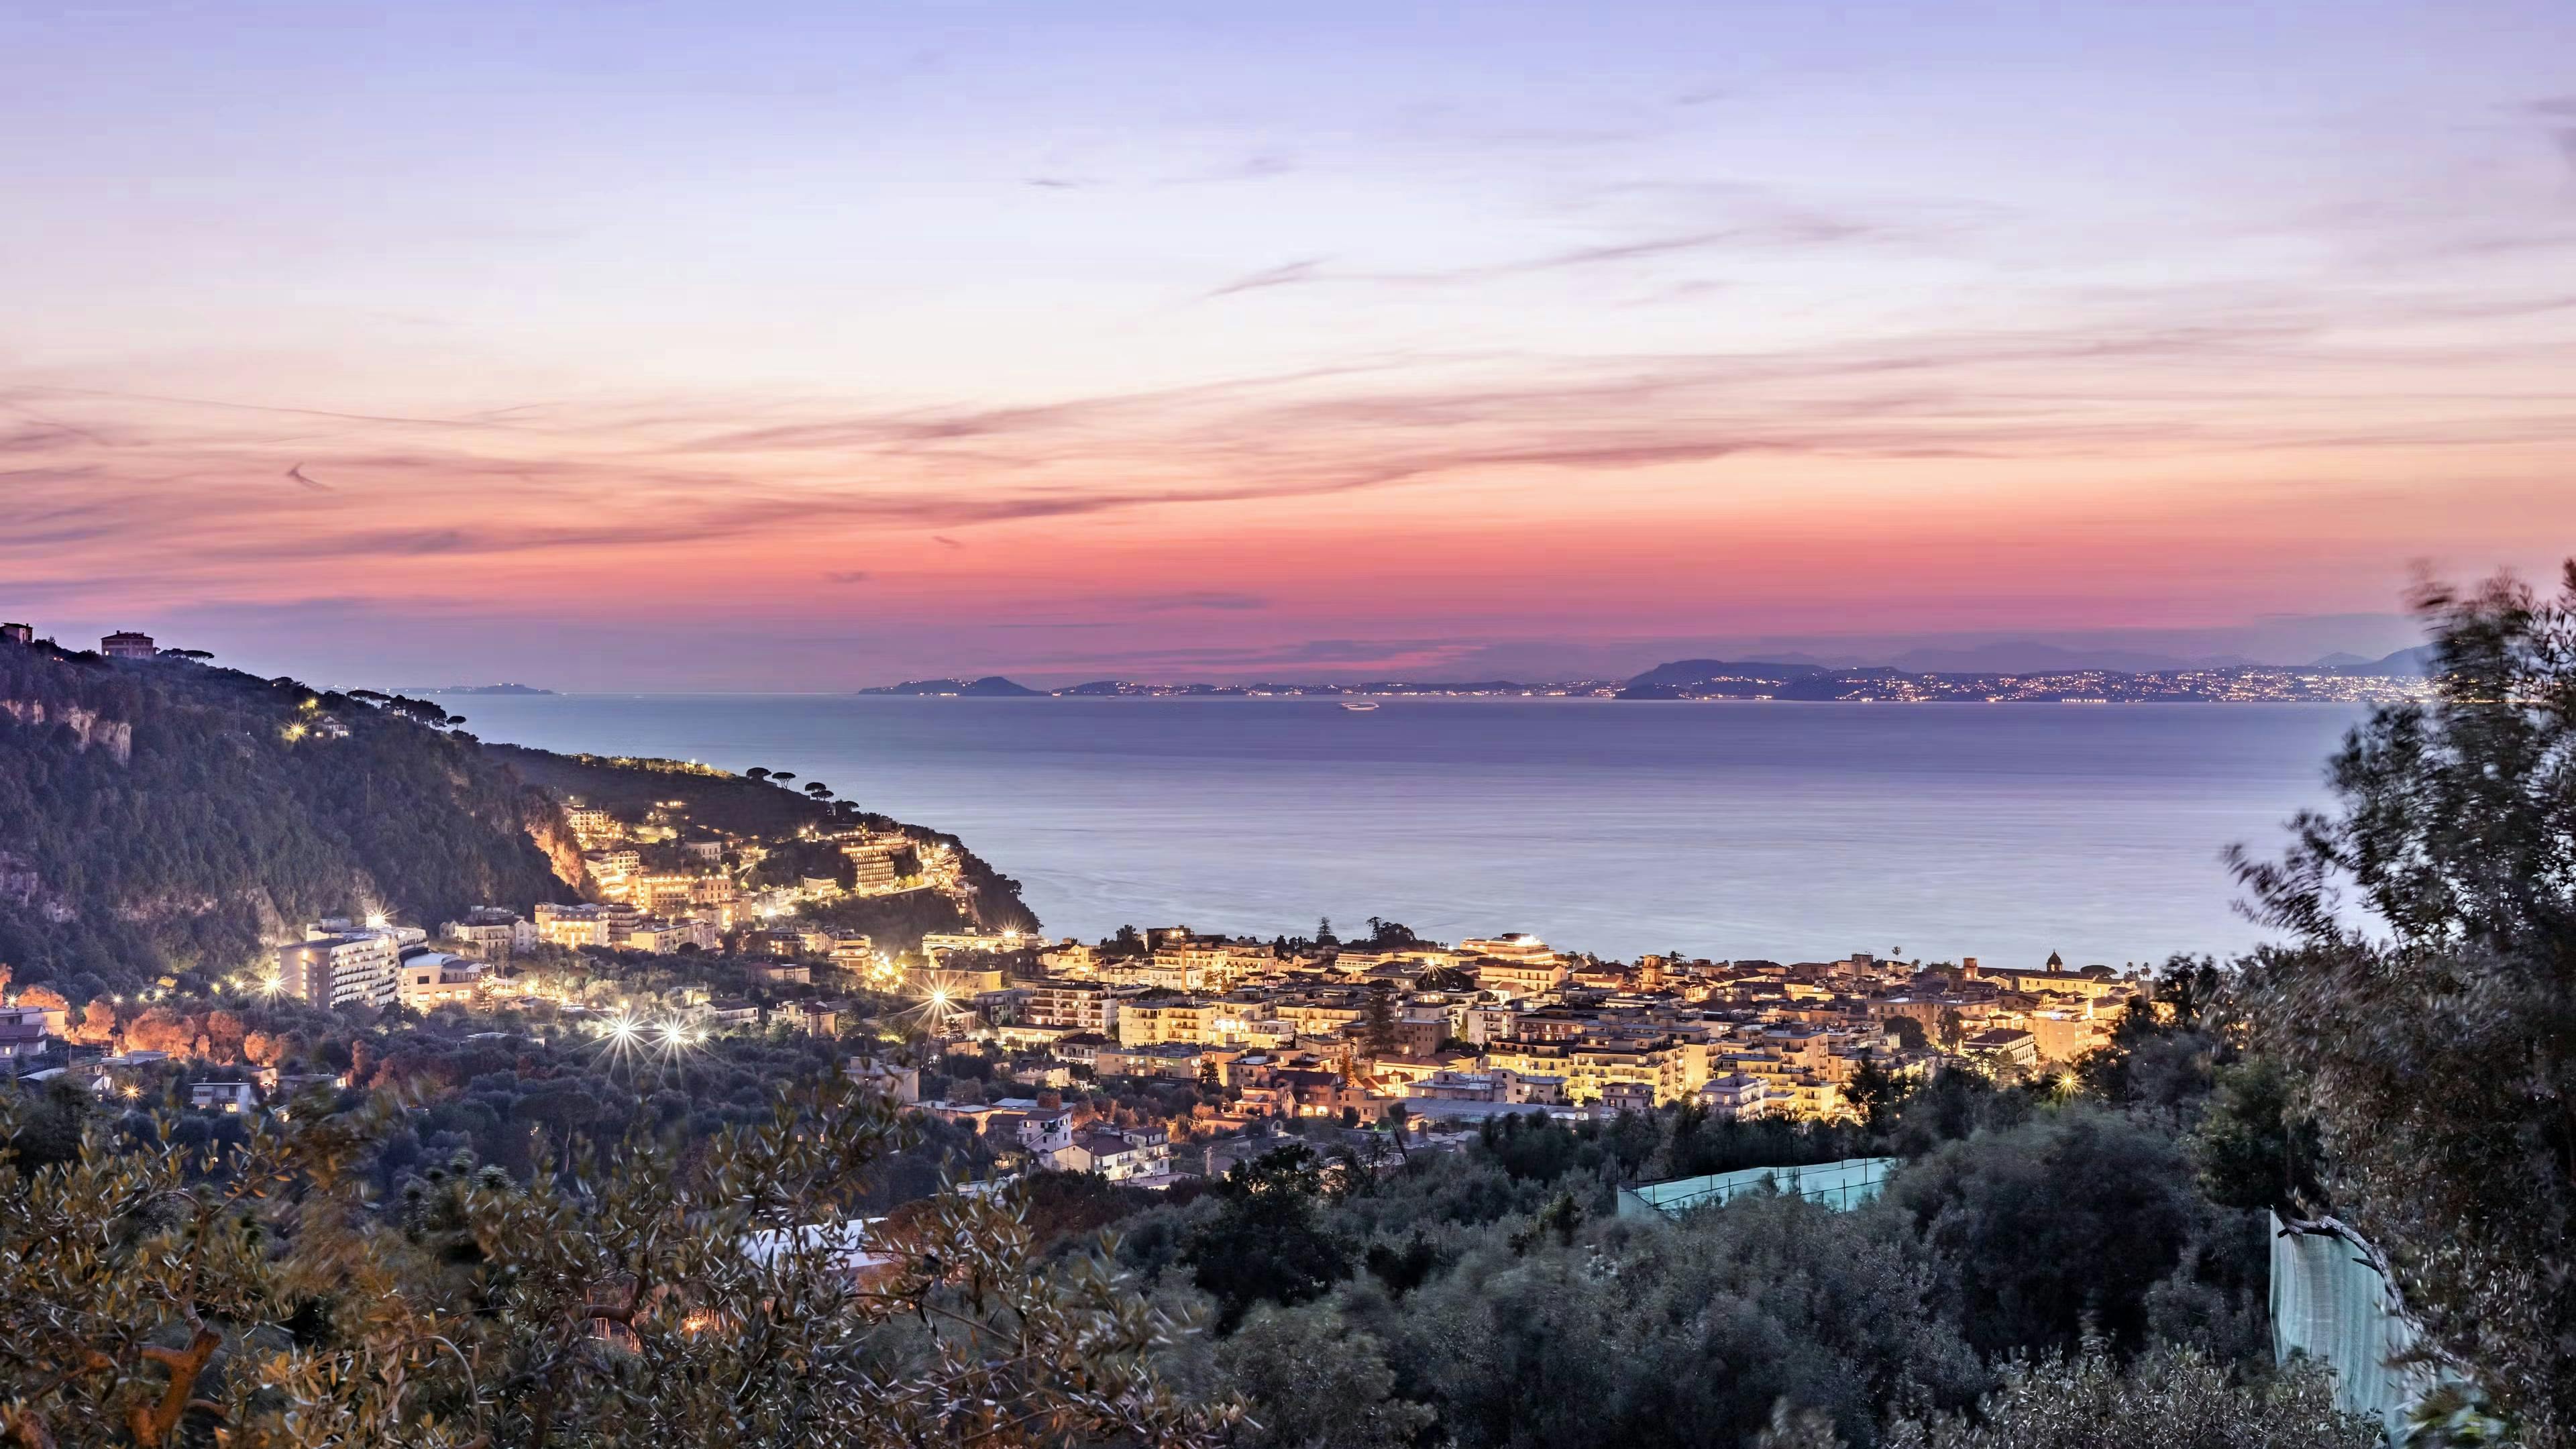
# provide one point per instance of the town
(1146, 1058)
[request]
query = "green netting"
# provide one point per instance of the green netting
(1848, 1183)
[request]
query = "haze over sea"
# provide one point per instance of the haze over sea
(1788, 831)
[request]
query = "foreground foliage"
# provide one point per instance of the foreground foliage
(2175, 1399)
(2437, 1046)
(622, 1299)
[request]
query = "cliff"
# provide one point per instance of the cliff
(161, 816)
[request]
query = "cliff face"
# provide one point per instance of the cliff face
(160, 816)
(114, 736)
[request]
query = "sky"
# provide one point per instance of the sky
(810, 346)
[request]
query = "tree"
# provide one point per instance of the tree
(2168, 1400)
(1876, 1092)
(2255, 1148)
(1379, 1030)
(626, 1298)
(1268, 1241)
(2074, 1220)
(2437, 1044)
(1321, 1384)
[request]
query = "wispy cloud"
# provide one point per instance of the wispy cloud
(191, 485)
(1286, 274)
(1220, 600)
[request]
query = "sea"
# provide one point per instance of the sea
(1729, 830)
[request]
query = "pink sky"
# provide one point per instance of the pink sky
(801, 351)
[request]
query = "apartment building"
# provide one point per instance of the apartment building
(357, 969)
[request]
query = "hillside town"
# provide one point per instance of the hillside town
(1106, 1057)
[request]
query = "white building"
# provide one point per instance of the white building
(493, 931)
(351, 970)
(223, 1096)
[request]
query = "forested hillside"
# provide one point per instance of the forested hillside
(163, 816)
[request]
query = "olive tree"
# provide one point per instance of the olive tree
(2427, 997)
(627, 1297)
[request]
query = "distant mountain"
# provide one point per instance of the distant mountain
(2415, 662)
(474, 689)
(991, 686)
(1705, 677)
(1694, 671)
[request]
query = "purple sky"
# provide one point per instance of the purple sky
(807, 346)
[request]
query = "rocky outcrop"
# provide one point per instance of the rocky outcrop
(114, 736)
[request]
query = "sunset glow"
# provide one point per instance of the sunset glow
(872, 342)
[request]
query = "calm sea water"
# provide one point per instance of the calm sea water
(1789, 831)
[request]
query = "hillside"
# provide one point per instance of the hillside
(163, 816)
(1687, 678)
(991, 686)
(736, 805)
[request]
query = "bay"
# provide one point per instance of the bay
(1787, 831)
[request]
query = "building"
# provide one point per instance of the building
(942, 943)
(18, 633)
(662, 938)
(590, 822)
(492, 931)
(127, 645)
(2004, 1045)
(223, 1096)
(1623, 1097)
(1042, 1127)
(1734, 1096)
(341, 970)
(1182, 1019)
(814, 1018)
(901, 1083)
(1176, 1060)
(435, 978)
(584, 925)
(731, 1013)
(24, 1032)
(1515, 965)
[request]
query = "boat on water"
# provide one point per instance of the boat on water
(1359, 706)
